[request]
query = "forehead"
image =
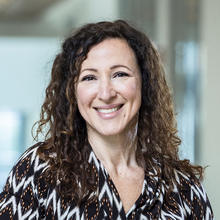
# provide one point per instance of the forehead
(109, 51)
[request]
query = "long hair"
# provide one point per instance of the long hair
(66, 144)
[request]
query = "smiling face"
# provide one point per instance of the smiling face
(108, 90)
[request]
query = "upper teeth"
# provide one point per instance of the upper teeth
(107, 110)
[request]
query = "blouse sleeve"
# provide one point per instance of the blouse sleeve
(201, 207)
(195, 199)
(19, 198)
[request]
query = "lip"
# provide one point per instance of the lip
(108, 106)
(109, 115)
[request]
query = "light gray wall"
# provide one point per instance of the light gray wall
(60, 18)
(210, 152)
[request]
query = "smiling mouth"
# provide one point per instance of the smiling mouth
(108, 110)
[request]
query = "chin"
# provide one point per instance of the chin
(109, 133)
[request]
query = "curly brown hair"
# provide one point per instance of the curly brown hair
(66, 134)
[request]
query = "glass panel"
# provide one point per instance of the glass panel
(186, 69)
(11, 141)
(186, 73)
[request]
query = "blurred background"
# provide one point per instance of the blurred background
(186, 32)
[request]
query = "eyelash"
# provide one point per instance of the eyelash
(117, 74)
(120, 74)
(88, 78)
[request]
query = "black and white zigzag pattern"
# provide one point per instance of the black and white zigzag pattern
(27, 196)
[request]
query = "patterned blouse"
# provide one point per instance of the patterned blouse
(27, 196)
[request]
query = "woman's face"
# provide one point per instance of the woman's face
(108, 90)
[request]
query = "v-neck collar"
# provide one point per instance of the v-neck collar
(152, 190)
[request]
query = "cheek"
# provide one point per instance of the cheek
(84, 95)
(132, 90)
(133, 93)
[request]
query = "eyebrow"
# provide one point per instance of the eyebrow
(120, 65)
(89, 69)
(112, 67)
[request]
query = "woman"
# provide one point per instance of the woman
(111, 144)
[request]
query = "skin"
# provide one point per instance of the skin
(108, 95)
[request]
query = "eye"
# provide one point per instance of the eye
(120, 74)
(88, 78)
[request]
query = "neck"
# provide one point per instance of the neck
(116, 152)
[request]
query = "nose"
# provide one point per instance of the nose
(106, 90)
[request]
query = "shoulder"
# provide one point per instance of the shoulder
(194, 196)
(28, 164)
(24, 171)
(189, 184)
(21, 193)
